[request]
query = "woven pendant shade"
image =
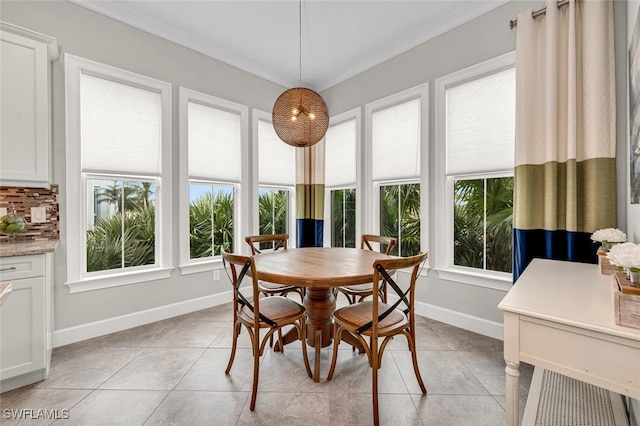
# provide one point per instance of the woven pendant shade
(300, 117)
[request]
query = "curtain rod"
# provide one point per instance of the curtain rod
(539, 12)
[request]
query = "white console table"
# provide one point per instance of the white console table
(559, 316)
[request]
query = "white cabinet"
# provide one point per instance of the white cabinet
(25, 152)
(26, 320)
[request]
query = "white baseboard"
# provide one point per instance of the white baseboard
(82, 332)
(461, 320)
(22, 380)
(78, 333)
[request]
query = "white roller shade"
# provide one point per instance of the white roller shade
(214, 143)
(277, 160)
(340, 154)
(481, 124)
(396, 141)
(120, 127)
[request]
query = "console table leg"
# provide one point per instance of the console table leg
(513, 393)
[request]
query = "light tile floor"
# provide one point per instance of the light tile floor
(172, 373)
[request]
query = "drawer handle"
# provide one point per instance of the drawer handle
(11, 268)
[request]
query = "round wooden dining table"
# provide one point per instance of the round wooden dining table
(318, 269)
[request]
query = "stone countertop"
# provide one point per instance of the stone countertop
(22, 248)
(5, 289)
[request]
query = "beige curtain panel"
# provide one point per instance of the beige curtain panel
(565, 178)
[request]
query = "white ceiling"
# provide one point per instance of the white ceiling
(340, 39)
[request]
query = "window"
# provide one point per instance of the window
(276, 180)
(476, 147)
(273, 208)
(343, 217)
(211, 224)
(400, 216)
(340, 180)
(482, 226)
(396, 133)
(118, 176)
(122, 233)
(212, 141)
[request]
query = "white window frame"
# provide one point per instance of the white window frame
(78, 280)
(443, 258)
(354, 114)
(371, 193)
(240, 196)
(257, 116)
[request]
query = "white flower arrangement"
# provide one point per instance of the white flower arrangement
(625, 255)
(609, 235)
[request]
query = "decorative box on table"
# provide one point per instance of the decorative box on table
(626, 301)
(606, 268)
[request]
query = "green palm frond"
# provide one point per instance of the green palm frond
(122, 241)
(469, 223)
(272, 212)
(400, 217)
(211, 224)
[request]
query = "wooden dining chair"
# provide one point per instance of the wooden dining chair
(375, 320)
(271, 313)
(277, 242)
(356, 293)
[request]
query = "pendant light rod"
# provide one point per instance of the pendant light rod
(300, 116)
(300, 42)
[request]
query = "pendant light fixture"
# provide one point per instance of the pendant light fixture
(300, 115)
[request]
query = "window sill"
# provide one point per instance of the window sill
(118, 279)
(202, 266)
(502, 282)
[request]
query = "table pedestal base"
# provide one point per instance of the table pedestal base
(320, 304)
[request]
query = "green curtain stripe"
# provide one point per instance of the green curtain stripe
(310, 201)
(572, 196)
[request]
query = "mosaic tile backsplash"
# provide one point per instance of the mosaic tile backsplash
(25, 198)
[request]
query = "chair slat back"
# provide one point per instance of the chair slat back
(256, 242)
(381, 268)
(247, 268)
(367, 239)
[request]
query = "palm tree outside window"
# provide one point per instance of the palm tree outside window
(400, 217)
(273, 213)
(483, 232)
(123, 230)
(343, 217)
(211, 224)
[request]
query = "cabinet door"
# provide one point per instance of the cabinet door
(22, 327)
(24, 110)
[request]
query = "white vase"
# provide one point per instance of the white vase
(634, 277)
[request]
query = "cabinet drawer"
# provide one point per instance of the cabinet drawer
(19, 267)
